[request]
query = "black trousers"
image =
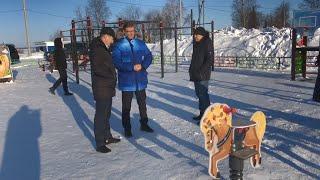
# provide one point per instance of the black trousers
(126, 107)
(201, 89)
(101, 121)
(316, 92)
(63, 79)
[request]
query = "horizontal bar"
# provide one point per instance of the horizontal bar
(80, 21)
(202, 24)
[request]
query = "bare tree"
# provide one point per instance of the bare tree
(279, 17)
(282, 15)
(130, 13)
(98, 10)
(310, 4)
(170, 15)
(267, 20)
(152, 34)
(253, 19)
(79, 16)
(244, 12)
(54, 35)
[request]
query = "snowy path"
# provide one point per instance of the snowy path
(51, 137)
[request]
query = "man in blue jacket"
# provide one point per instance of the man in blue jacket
(132, 58)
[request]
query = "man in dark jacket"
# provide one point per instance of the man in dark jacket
(200, 68)
(61, 64)
(132, 57)
(316, 93)
(104, 80)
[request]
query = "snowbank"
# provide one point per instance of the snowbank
(36, 55)
(267, 42)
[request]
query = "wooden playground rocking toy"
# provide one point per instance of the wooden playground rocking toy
(228, 135)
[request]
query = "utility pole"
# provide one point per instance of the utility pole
(26, 27)
(199, 11)
(180, 17)
(284, 15)
(243, 18)
(203, 12)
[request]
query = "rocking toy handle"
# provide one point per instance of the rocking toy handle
(228, 110)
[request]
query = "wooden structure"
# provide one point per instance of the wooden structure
(303, 49)
(5, 65)
(227, 134)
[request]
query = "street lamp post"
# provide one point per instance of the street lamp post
(26, 27)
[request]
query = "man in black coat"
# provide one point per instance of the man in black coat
(104, 80)
(61, 64)
(316, 93)
(200, 68)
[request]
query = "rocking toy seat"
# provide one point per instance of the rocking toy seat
(244, 153)
(240, 122)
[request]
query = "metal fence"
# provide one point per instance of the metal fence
(279, 63)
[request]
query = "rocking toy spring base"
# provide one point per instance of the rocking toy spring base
(236, 168)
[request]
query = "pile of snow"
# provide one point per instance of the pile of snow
(36, 55)
(267, 42)
(315, 40)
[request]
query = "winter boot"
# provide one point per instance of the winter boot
(103, 149)
(112, 140)
(51, 90)
(127, 133)
(68, 94)
(145, 127)
(197, 118)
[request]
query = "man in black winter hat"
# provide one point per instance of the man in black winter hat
(200, 68)
(103, 86)
(61, 64)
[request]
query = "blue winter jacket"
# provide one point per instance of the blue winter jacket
(125, 54)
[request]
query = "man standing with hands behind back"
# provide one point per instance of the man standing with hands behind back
(200, 68)
(103, 86)
(132, 57)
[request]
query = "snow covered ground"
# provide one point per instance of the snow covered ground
(51, 137)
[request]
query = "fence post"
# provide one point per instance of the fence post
(161, 49)
(212, 35)
(237, 63)
(72, 45)
(82, 36)
(74, 50)
(143, 32)
(293, 55)
(89, 29)
(304, 57)
(193, 27)
(191, 15)
(279, 63)
(120, 23)
(176, 45)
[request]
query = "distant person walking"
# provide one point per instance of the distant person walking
(61, 64)
(132, 58)
(200, 68)
(316, 93)
(103, 86)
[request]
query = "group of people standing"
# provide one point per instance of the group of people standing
(127, 61)
(131, 57)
